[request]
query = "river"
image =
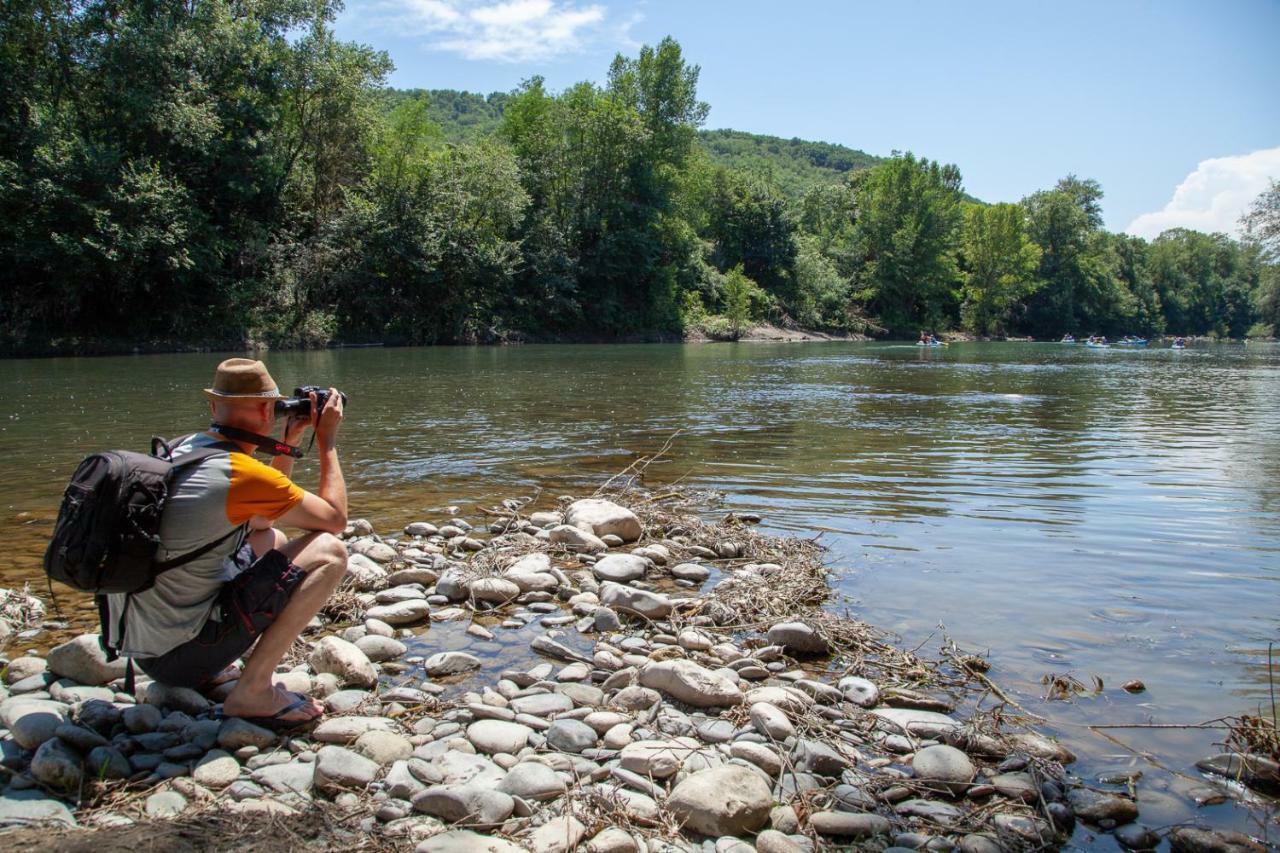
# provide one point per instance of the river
(1070, 511)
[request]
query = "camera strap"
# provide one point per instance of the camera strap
(265, 443)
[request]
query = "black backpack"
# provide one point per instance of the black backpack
(108, 528)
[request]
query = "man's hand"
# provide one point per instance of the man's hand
(327, 421)
(295, 428)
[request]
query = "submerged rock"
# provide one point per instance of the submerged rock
(1255, 771)
(1191, 839)
(1095, 806)
(450, 663)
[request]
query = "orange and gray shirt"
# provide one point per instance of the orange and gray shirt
(208, 501)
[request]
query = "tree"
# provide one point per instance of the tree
(1079, 293)
(905, 236)
(1262, 222)
(1000, 263)
(750, 226)
(1262, 234)
(741, 295)
(1205, 282)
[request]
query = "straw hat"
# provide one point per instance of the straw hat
(242, 379)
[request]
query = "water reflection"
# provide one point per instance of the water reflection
(1102, 512)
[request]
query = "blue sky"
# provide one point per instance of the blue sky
(1173, 106)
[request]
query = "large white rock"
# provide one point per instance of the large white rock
(532, 780)
(910, 721)
(31, 722)
(31, 806)
(620, 568)
(798, 638)
(217, 769)
(478, 805)
(573, 539)
(535, 562)
(401, 613)
(604, 518)
(339, 767)
(695, 572)
(466, 841)
(729, 800)
(84, 662)
(651, 605)
(347, 728)
(770, 721)
(787, 698)
(494, 590)
(945, 766)
(365, 574)
(495, 736)
(690, 683)
(530, 581)
(379, 552)
(380, 649)
(346, 661)
(450, 663)
(558, 835)
(656, 758)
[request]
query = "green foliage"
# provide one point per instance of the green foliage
(744, 301)
(904, 236)
(215, 172)
(822, 293)
(462, 116)
(751, 227)
(1000, 263)
(1205, 282)
(794, 165)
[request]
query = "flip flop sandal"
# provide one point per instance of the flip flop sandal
(275, 722)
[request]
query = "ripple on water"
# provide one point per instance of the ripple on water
(1120, 615)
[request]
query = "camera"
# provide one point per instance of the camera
(299, 405)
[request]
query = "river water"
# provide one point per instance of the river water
(1070, 511)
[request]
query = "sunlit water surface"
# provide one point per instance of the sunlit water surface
(1071, 511)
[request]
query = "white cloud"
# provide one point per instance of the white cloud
(1214, 196)
(510, 31)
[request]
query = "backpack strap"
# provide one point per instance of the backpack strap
(194, 457)
(173, 563)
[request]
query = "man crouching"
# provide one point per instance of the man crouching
(255, 585)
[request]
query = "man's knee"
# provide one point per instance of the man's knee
(326, 553)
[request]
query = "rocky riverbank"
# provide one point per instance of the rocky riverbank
(611, 675)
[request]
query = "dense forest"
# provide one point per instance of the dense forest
(227, 172)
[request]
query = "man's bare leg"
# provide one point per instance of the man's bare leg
(324, 559)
